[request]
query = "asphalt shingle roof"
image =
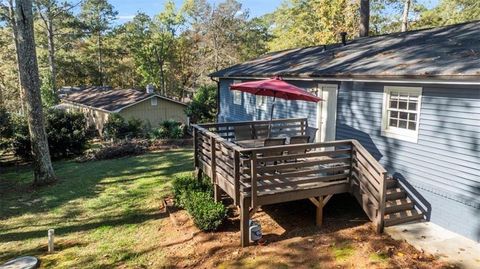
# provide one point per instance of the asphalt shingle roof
(107, 99)
(445, 52)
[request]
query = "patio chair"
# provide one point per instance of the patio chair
(243, 132)
(300, 139)
(269, 142)
(260, 131)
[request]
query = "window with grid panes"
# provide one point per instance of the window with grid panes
(401, 111)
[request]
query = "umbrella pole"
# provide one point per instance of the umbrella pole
(271, 116)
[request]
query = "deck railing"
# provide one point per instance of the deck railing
(289, 127)
(269, 170)
(262, 173)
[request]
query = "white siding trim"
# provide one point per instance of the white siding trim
(398, 133)
(237, 95)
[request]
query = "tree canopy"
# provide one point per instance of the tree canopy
(83, 43)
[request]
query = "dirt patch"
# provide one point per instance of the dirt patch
(346, 240)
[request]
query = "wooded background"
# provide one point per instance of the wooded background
(82, 43)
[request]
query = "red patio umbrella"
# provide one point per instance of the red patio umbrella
(275, 87)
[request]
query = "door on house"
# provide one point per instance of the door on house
(326, 112)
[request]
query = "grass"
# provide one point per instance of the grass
(343, 251)
(379, 257)
(105, 213)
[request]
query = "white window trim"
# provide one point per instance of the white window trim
(154, 101)
(260, 105)
(237, 95)
(399, 133)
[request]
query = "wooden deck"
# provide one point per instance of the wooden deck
(315, 171)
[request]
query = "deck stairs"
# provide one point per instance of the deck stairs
(399, 207)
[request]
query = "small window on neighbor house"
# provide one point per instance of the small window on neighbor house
(237, 95)
(153, 101)
(261, 101)
(401, 112)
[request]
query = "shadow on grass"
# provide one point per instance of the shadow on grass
(134, 218)
(60, 245)
(86, 180)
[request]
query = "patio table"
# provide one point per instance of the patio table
(251, 143)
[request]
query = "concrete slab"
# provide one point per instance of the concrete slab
(440, 242)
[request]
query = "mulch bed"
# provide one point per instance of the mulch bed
(346, 240)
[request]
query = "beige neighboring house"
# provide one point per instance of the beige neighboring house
(98, 103)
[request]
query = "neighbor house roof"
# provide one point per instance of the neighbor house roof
(107, 99)
(444, 53)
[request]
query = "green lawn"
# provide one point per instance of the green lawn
(105, 213)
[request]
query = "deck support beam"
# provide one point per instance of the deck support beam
(319, 203)
(319, 214)
(244, 221)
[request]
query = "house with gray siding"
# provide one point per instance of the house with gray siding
(412, 99)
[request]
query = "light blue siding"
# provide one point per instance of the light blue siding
(248, 110)
(442, 170)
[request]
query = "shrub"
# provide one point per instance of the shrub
(196, 197)
(169, 129)
(117, 150)
(207, 214)
(49, 97)
(20, 141)
(203, 107)
(6, 128)
(118, 128)
(188, 183)
(67, 134)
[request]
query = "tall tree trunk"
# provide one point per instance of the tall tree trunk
(100, 60)
(11, 10)
(30, 84)
(406, 10)
(51, 50)
(2, 86)
(364, 17)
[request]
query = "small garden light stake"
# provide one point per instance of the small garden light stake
(51, 235)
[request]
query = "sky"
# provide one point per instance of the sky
(128, 8)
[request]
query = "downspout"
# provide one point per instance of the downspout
(218, 97)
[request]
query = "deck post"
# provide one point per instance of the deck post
(319, 213)
(253, 179)
(381, 209)
(217, 193)
(213, 162)
(236, 177)
(350, 170)
(195, 146)
(244, 222)
(198, 173)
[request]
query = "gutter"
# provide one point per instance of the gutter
(82, 105)
(351, 79)
(123, 107)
